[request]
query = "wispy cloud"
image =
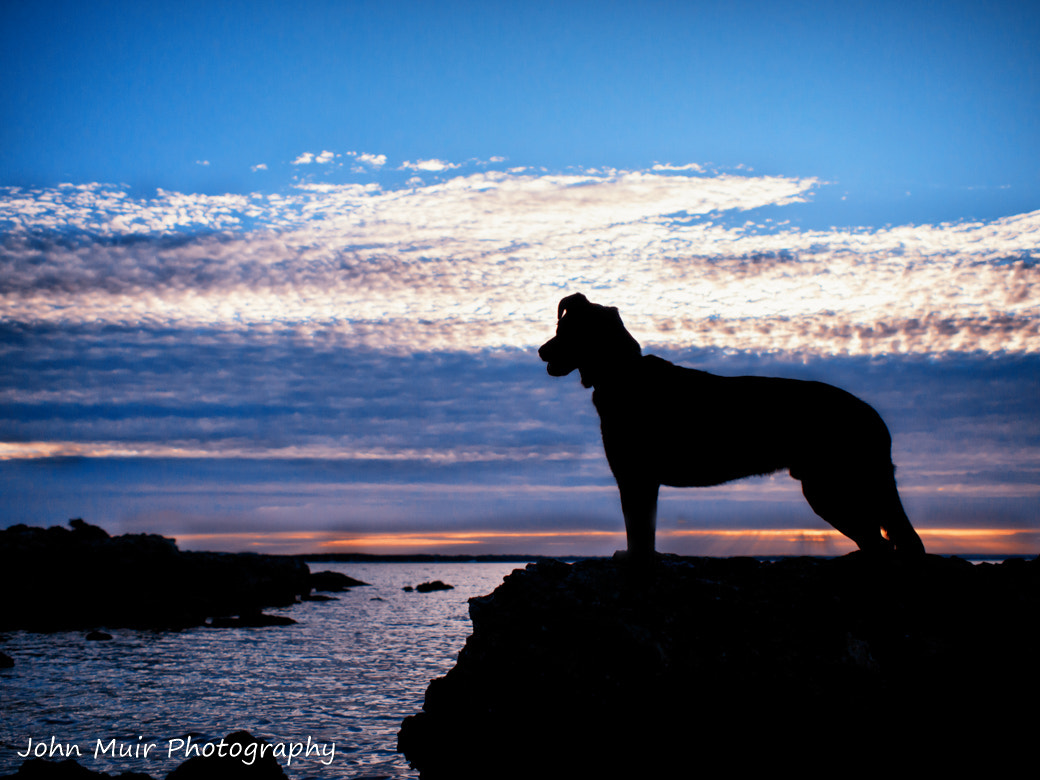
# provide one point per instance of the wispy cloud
(669, 167)
(428, 165)
(320, 158)
(374, 160)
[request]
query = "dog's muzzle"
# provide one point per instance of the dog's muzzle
(549, 353)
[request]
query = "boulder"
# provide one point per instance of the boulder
(427, 587)
(231, 767)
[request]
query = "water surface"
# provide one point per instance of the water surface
(348, 673)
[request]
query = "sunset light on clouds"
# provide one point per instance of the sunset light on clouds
(471, 261)
(325, 338)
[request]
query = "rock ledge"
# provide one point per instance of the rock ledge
(599, 669)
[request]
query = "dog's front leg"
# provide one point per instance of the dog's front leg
(639, 505)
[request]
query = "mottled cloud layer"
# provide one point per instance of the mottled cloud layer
(478, 261)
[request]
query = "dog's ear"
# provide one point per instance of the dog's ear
(570, 303)
(626, 344)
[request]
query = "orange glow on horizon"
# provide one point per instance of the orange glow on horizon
(462, 537)
(721, 542)
(254, 535)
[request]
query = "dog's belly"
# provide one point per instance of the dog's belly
(681, 463)
(701, 474)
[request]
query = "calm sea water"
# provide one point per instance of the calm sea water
(348, 673)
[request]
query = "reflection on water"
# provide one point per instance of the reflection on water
(347, 673)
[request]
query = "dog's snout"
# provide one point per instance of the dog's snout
(543, 351)
(556, 363)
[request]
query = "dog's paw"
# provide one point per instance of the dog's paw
(638, 560)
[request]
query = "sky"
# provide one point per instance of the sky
(273, 275)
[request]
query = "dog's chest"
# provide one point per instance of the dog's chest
(671, 422)
(641, 413)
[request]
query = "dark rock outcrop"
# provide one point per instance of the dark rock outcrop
(428, 587)
(334, 581)
(599, 669)
(232, 767)
(80, 578)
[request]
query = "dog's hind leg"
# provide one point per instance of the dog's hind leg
(639, 505)
(845, 505)
(896, 523)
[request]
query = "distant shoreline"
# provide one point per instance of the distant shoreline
(510, 558)
(437, 558)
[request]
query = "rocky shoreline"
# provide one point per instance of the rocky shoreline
(80, 578)
(602, 669)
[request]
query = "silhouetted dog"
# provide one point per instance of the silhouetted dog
(667, 425)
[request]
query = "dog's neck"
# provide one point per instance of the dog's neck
(608, 373)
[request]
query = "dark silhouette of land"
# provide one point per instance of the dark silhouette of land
(667, 425)
(81, 578)
(355, 557)
(704, 665)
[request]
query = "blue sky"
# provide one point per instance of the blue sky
(274, 274)
(880, 98)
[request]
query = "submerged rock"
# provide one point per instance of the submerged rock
(253, 620)
(601, 669)
(233, 764)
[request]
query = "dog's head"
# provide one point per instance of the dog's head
(590, 338)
